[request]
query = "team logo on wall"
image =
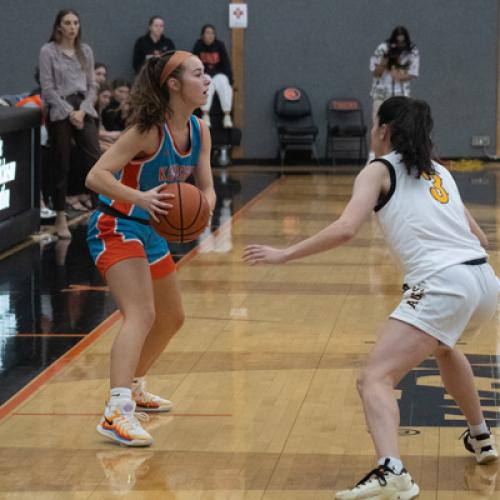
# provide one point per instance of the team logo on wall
(291, 94)
(424, 402)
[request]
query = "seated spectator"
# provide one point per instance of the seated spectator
(106, 138)
(213, 54)
(153, 43)
(103, 99)
(100, 72)
(114, 116)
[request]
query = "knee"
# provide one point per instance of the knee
(149, 318)
(170, 323)
(361, 383)
(178, 320)
(368, 379)
(143, 318)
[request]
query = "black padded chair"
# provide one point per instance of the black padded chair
(296, 129)
(345, 125)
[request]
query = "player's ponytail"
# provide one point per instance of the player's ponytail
(149, 99)
(410, 123)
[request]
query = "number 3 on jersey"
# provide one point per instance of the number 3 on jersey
(437, 190)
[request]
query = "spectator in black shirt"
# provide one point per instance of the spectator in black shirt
(213, 55)
(153, 43)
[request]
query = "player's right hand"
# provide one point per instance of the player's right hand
(154, 202)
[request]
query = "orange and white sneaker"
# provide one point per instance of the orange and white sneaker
(146, 401)
(120, 423)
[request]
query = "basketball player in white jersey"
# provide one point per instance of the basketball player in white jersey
(449, 286)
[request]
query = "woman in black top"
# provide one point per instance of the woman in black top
(153, 43)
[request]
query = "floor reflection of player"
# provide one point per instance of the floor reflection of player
(123, 467)
(481, 479)
(66, 262)
(221, 239)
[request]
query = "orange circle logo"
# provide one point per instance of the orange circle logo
(291, 94)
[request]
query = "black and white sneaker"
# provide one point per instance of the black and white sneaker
(383, 484)
(483, 446)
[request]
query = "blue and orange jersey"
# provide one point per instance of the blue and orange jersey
(166, 166)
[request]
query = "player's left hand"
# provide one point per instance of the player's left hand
(261, 254)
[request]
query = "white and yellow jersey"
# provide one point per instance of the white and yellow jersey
(424, 221)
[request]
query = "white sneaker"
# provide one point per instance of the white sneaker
(206, 119)
(227, 122)
(483, 446)
(47, 213)
(146, 401)
(383, 484)
(119, 423)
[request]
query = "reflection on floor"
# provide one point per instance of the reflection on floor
(51, 295)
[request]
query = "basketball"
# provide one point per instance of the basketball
(188, 217)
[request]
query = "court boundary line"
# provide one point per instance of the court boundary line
(163, 414)
(29, 390)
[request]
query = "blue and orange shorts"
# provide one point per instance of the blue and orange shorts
(113, 239)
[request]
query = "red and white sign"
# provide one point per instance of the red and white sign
(238, 15)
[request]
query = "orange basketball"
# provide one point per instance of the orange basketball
(188, 217)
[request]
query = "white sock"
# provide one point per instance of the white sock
(393, 463)
(117, 393)
(477, 430)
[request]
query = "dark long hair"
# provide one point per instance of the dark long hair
(98, 65)
(149, 101)
(205, 26)
(120, 82)
(398, 31)
(55, 36)
(410, 124)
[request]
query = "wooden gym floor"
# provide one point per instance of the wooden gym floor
(262, 375)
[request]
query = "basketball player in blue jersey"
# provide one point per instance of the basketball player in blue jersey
(163, 143)
(449, 286)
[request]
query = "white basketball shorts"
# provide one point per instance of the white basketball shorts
(445, 305)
